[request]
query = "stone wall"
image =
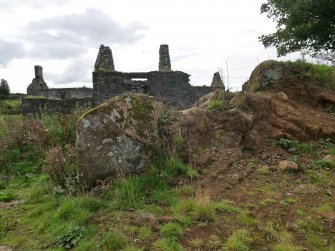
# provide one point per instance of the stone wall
(34, 105)
(65, 93)
(108, 84)
(202, 90)
(170, 87)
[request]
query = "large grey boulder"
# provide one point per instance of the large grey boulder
(117, 137)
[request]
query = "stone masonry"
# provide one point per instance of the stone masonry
(170, 87)
(164, 58)
(104, 59)
(37, 83)
(53, 100)
(218, 86)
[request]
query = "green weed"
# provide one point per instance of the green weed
(71, 238)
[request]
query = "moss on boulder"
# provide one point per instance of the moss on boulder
(116, 138)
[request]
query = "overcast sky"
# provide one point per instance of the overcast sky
(64, 36)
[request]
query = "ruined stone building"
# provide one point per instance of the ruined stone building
(171, 87)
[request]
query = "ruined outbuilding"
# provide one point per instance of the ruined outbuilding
(173, 88)
(170, 87)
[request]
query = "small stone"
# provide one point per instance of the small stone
(147, 219)
(165, 219)
(30, 175)
(5, 248)
(292, 150)
(281, 96)
(329, 158)
(287, 165)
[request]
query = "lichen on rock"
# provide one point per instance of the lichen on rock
(116, 137)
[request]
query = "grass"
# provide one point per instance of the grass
(197, 244)
(225, 206)
(204, 210)
(263, 170)
(215, 243)
(52, 219)
(322, 73)
(216, 104)
(239, 241)
(114, 241)
(171, 230)
(286, 243)
(7, 195)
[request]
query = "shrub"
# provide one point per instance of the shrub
(62, 168)
(22, 144)
(61, 127)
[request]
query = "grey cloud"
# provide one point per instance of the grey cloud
(10, 50)
(68, 36)
(63, 50)
(12, 4)
(183, 56)
(72, 35)
(79, 70)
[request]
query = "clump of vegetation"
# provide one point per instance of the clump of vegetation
(286, 243)
(7, 195)
(4, 88)
(239, 241)
(62, 168)
(171, 230)
(6, 225)
(114, 240)
(204, 210)
(323, 73)
(216, 104)
(221, 104)
(215, 243)
(71, 238)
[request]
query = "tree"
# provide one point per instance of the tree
(4, 87)
(302, 25)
